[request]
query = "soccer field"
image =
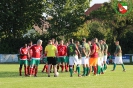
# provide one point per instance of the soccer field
(9, 78)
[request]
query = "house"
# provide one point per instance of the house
(94, 7)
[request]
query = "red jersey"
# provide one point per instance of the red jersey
(23, 50)
(62, 50)
(95, 48)
(36, 51)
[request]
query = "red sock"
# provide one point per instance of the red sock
(62, 67)
(46, 68)
(95, 70)
(28, 70)
(31, 70)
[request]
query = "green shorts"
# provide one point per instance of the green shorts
(21, 62)
(67, 59)
(61, 59)
(45, 60)
(29, 62)
(35, 61)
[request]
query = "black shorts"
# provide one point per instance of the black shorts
(51, 60)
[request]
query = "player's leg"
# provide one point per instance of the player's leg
(63, 63)
(71, 63)
(20, 67)
(66, 63)
(121, 62)
(36, 67)
(87, 66)
(105, 64)
(95, 65)
(84, 66)
(25, 67)
(55, 67)
(32, 66)
(115, 62)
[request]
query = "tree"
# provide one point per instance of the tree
(67, 15)
(108, 16)
(17, 16)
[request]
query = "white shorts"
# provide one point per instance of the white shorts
(85, 60)
(102, 59)
(118, 60)
(99, 61)
(105, 58)
(73, 59)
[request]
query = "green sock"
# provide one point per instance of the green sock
(98, 69)
(84, 73)
(104, 66)
(71, 71)
(87, 70)
(114, 66)
(78, 69)
(102, 69)
(123, 66)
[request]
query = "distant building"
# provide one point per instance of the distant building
(94, 7)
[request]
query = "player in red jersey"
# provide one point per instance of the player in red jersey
(62, 52)
(37, 53)
(23, 59)
(93, 56)
(29, 59)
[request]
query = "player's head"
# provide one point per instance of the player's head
(89, 42)
(104, 41)
(84, 40)
(53, 40)
(71, 40)
(25, 45)
(101, 41)
(95, 40)
(30, 43)
(61, 42)
(50, 42)
(39, 42)
(117, 42)
(77, 43)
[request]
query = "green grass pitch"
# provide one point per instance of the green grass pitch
(9, 78)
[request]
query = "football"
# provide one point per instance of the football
(57, 73)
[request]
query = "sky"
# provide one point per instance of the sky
(97, 1)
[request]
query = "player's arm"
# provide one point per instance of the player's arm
(56, 51)
(106, 50)
(93, 50)
(78, 51)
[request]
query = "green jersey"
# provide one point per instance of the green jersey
(71, 50)
(99, 48)
(118, 49)
(105, 49)
(86, 47)
(102, 50)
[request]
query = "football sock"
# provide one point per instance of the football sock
(114, 66)
(20, 70)
(78, 70)
(84, 71)
(95, 70)
(25, 71)
(123, 66)
(87, 70)
(71, 71)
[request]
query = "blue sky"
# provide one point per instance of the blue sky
(97, 1)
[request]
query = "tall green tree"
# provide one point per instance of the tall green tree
(67, 15)
(118, 23)
(19, 15)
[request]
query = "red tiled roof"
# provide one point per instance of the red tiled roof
(94, 7)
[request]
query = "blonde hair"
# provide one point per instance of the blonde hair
(39, 41)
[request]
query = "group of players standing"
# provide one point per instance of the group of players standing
(92, 55)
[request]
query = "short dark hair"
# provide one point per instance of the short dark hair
(84, 39)
(71, 40)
